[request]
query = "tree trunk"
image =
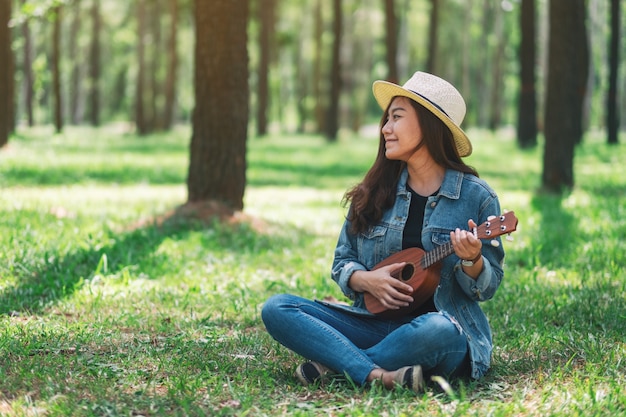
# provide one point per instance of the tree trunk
(28, 71)
(612, 118)
(140, 111)
(172, 67)
(357, 51)
(94, 64)
(266, 31)
(433, 29)
(6, 76)
(332, 113)
(527, 104)
(317, 62)
(27, 59)
(391, 42)
(582, 69)
(302, 64)
(497, 84)
(467, 59)
(56, 70)
(12, 116)
(74, 84)
(563, 101)
(152, 94)
(217, 168)
(482, 81)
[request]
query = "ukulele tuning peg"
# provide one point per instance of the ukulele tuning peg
(490, 218)
(494, 243)
(509, 238)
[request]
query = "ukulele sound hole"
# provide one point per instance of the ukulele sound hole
(407, 272)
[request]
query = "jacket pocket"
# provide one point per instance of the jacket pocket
(372, 245)
(440, 238)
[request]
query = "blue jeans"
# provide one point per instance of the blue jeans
(355, 345)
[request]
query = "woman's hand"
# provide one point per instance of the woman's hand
(391, 292)
(468, 247)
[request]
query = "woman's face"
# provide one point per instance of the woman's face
(402, 131)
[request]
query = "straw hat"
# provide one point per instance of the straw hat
(434, 93)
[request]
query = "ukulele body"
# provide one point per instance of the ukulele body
(425, 279)
(424, 282)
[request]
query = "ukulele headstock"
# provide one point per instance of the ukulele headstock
(495, 226)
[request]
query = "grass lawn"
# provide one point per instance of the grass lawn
(104, 313)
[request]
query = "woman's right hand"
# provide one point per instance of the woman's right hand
(391, 292)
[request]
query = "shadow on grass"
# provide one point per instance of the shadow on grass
(43, 276)
(34, 176)
(558, 233)
(561, 307)
(50, 277)
(307, 161)
(261, 174)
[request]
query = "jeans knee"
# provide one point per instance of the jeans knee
(437, 329)
(445, 325)
(274, 308)
(270, 307)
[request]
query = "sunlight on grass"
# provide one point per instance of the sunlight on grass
(140, 319)
(69, 201)
(319, 211)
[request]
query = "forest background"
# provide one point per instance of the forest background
(97, 62)
(541, 66)
(103, 312)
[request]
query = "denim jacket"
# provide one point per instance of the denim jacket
(461, 197)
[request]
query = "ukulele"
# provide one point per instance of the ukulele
(422, 269)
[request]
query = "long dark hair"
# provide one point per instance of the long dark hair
(377, 192)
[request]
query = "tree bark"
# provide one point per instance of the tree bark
(152, 94)
(391, 42)
(217, 168)
(482, 79)
(56, 70)
(28, 71)
(433, 30)
(140, 110)
(563, 102)
(527, 104)
(12, 110)
(6, 75)
(74, 84)
(582, 69)
(303, 65)
(497, 84)
(172, 67)
(94, 64)
(332, 113)
(612, 118)
(318, 31)
(266, 31)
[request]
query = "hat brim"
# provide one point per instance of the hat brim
(385, 91)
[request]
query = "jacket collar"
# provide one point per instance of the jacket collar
(450, 187)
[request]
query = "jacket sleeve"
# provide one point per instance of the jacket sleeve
(346, 261)
(485, 285)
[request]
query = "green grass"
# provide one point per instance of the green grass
(103, 313)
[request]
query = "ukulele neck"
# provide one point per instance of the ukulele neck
(432, 257)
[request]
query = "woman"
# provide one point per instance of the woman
(418, 193)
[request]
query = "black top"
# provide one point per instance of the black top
(412, 238)
(412, 234)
